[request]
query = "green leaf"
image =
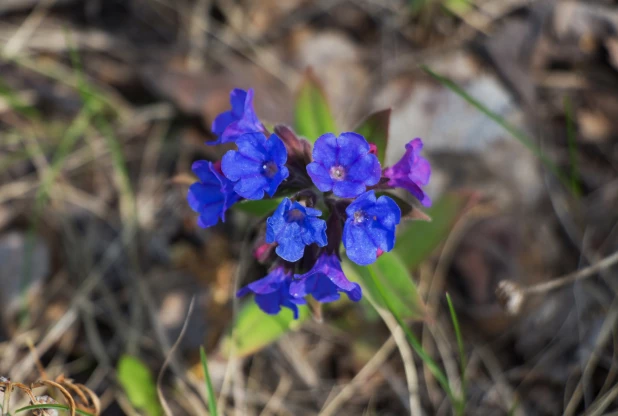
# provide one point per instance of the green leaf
(254, 329)
(259, 207)
(457, 7)
(375, 129)
(51, 406)
(397, 282)
(418, 239)
(312, 115)
(462, 354)
(210, 391)
(139, 385)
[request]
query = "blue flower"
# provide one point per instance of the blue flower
(370, 226)
(343, 164)
(324, 281)
(273, 291)
(257, 166)
(294, 226)
(411, 172)
(212, 195)
(241, 119)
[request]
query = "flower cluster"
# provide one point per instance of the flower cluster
(335, 192)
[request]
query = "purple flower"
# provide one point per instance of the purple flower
(370, 226)
(324, 281)
(272, 292)
(411, 172)
(257, 166)
(294, 226)
(343, 164)
(241, 119)
(212, 195)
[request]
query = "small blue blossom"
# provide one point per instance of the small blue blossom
(343, 164)
(273, 291)
(294, 226)
(324, 281)
(241, 119)
(411, 172)
(212, 195)
(370, 225)
(257, 166)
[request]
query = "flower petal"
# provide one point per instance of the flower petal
(359, 246)
(320, 176)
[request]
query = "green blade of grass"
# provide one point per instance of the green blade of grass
(462, 353)
(212, 400)
(416, 345)
(514, 131)
(52, 406)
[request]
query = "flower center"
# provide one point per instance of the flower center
(359, 217)
(337, 173)
(269, 169)
(295, 215)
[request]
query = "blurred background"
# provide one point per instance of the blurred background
(104, 105)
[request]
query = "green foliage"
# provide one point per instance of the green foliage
(210, 391)
(52, 406)
(419, 239)
(375, 129)
(258, 208)
(253, 329)
(397, 282)
(312, 115)
(462, 355)
(139, 385)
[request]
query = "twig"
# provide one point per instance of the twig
(169, 357)
(28, 27)
(363, 375)
(512, 296)
(573, 277)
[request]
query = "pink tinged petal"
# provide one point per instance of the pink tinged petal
(415, 145)
(426, 201)
(421, 172)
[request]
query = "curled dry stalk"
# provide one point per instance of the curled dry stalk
(88, 400)
(512, 296)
